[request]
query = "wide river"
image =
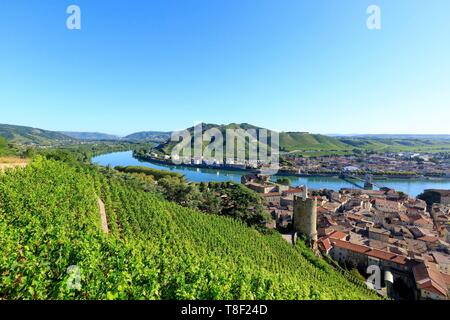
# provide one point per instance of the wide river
(412, 187)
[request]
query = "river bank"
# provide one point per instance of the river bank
(285, 173)
(412, 187)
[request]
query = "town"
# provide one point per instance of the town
(407, 238)
(397, 164)
(388, 164)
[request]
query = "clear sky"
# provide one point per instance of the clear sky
(283, 64)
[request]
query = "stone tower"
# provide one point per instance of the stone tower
(305, 218)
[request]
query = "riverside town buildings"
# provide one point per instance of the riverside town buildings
(405, 237)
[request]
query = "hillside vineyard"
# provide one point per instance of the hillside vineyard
(50, 222)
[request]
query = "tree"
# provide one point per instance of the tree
(284, 181)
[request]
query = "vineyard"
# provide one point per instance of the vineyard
(155, 249)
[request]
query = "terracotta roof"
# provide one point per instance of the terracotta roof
(387, 256)
(403, 217)
(338, 235)
(428, 277)
(293, 190)
(422, 221)
(326, 244)
(441, 258)
(429, 239)
(446, 278)
(271, 194)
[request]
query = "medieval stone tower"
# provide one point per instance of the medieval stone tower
(305, 218)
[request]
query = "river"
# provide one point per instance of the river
(412, 187)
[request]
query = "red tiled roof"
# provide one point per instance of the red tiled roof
(338, 235)
(403, 217)
(446, 278)
(429, 239)
(388, 256)
(326, 244)
(271, 194)
(428, 277)
(422, 221)
(293, 190)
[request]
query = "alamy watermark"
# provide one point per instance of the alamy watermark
(374, 20)
(73, 22)
(233, 148)
(374, 280)
(74, 279)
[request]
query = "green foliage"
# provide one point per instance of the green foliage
(3, 146)
(157, 174)
(49, 221)
(354, 272)
(82, 153)
(222, 198)
(238, 202)
(284, 181)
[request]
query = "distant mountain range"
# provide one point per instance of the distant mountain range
(29, 135)
(289, 141)
(152, 136)
(90, 135)
(395, 136)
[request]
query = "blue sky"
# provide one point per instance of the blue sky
(282, 64)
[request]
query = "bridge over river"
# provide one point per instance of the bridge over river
(366, 183)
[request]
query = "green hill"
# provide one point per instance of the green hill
(50, 225)
(28, 135)
(149, 136)
(289, 141)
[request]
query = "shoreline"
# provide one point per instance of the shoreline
(282, 173)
